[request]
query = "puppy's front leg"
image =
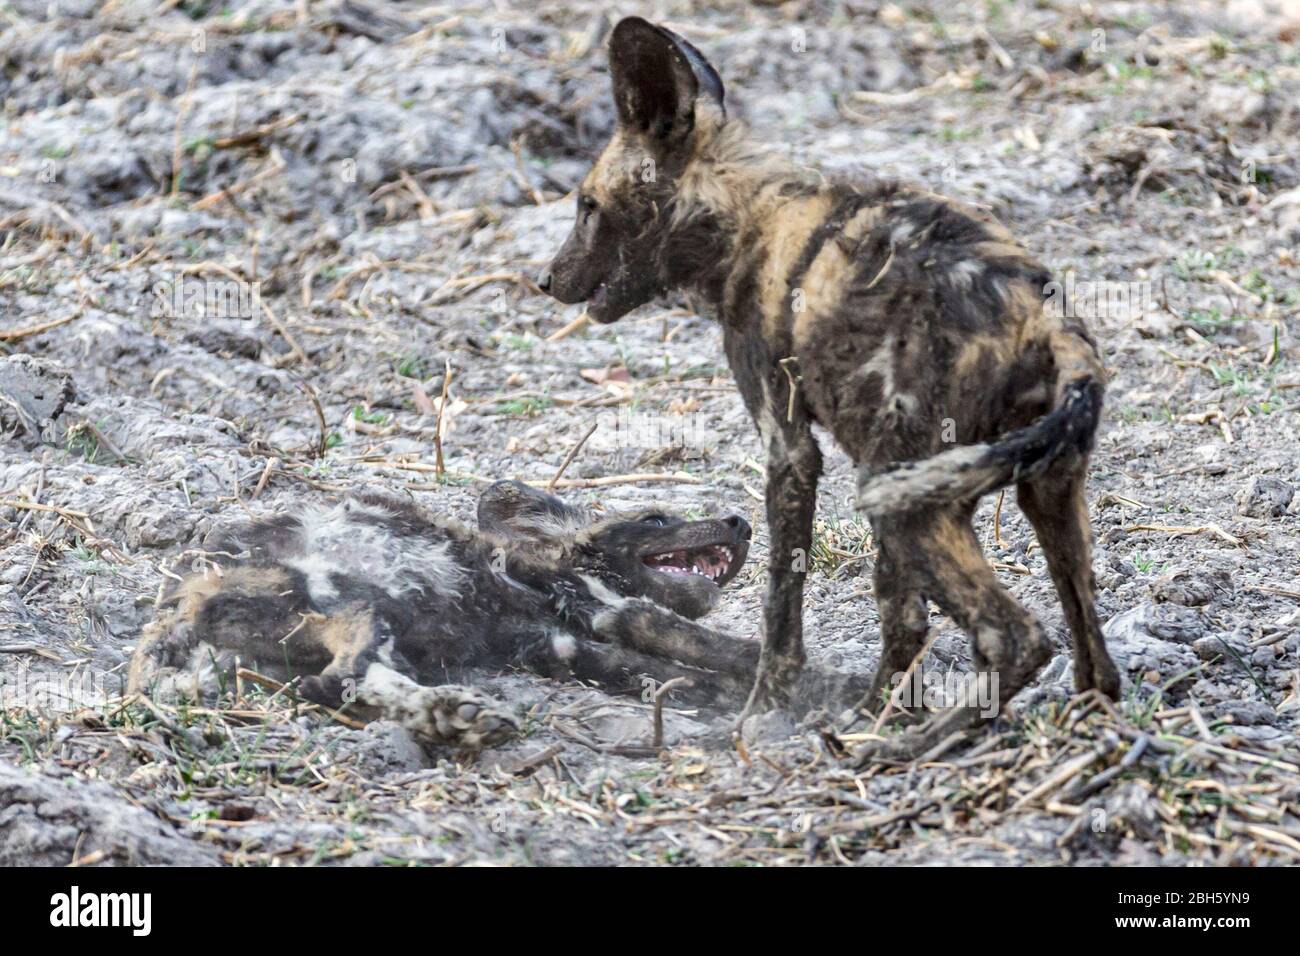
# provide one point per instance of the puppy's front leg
(794, 465)
(768, 384)
(652, 629)
(448, 715)
(619, 669)
(647, 631)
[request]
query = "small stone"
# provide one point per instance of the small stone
(1190, 589)
(1246, 713)
(393, 749)
(34, 392)
(1208, 648)
(1173, 623)
(1232, 104)
(1264, 497)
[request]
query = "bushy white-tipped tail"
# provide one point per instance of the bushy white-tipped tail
(969, 471)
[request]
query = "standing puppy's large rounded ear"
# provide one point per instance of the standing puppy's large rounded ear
(658, 79)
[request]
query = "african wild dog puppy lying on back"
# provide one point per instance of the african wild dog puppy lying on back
(900, 321)
(375, 603)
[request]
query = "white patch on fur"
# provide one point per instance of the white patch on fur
(564, 645)
(988, 640)
(903, 403)
(398, 698)
(601, 592)
(881, 363)
(963, 273)
(317, 568)
(199, 678)
(901, 233)
(333, 542)
(382, 685)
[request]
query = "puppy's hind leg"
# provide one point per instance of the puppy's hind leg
(1008, 645)
(355, 638)
(447, 715)
(207, 620)
(904, 615)
(1055, 506)
(170, 662)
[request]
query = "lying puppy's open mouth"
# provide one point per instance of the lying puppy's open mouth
(712, 561)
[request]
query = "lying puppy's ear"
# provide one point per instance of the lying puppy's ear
(658, 80)
(519, 510)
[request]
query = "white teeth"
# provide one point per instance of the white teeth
(715, 562)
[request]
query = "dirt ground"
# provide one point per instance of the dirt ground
(388, 177)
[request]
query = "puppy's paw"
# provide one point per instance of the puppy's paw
(463, 717)
(449, 715)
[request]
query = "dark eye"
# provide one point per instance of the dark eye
(586, 206)
(657, 520)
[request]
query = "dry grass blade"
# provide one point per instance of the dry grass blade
(559, 472)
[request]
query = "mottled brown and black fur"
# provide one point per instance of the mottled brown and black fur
(373, 603)
(910, 326)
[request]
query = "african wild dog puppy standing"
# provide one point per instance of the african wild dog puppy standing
(910, 326)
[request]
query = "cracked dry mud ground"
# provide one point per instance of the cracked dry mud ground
(391, 174)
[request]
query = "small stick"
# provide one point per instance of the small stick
(16, 334)
(907, 675)
(277, 165)
(660, 694)
(564, 332)
(1269, 589)
(437, 172)
(679, 478)
(90, 859)
(37, 506)
(550, 486)
(427, 211)
(36, 649)
(261, 482)
(320, 417)
(102, 439)
(279, 326)
(253, 135)
(261, 680)
(523, 767)
(997, 520)
(1179, 530)
(454, 289)
(437, 422)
